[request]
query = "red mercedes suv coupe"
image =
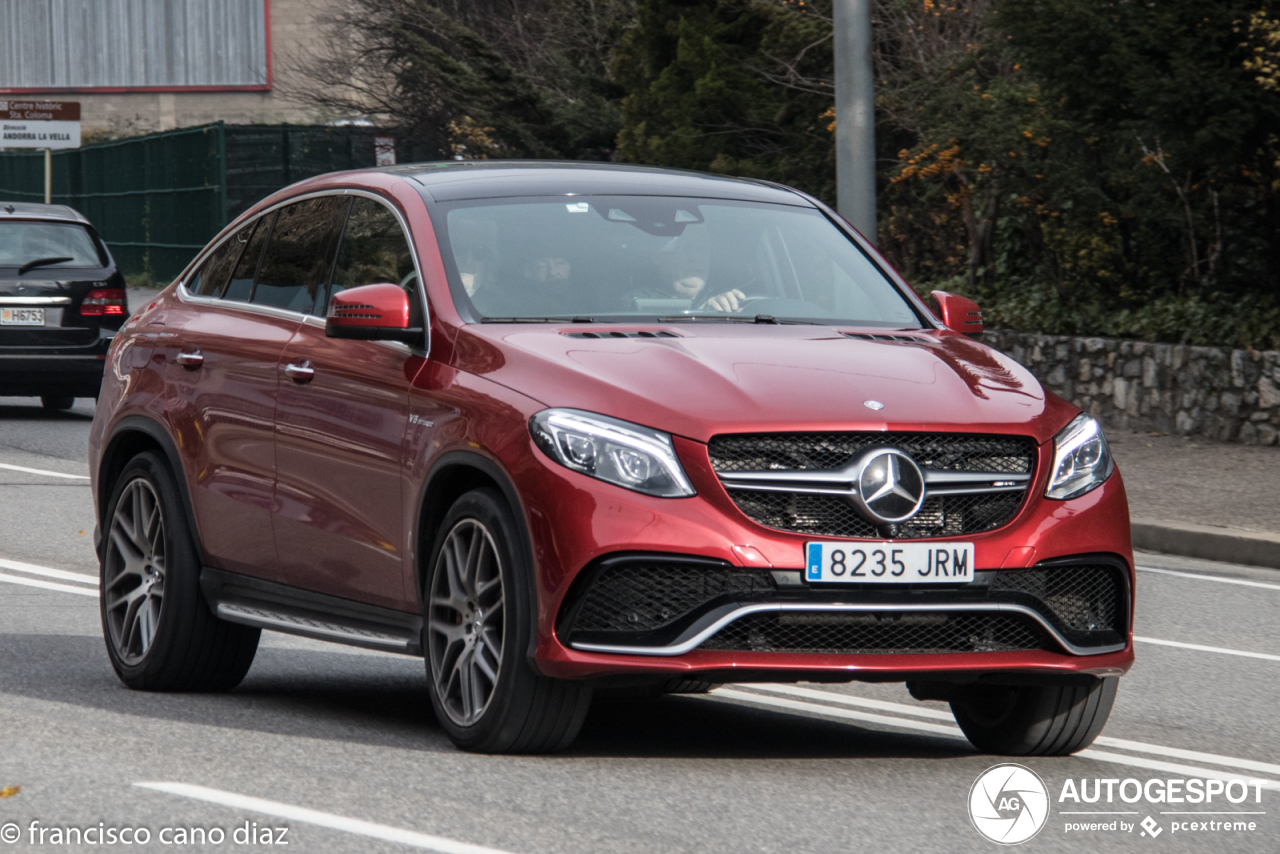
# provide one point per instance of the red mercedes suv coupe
(561, 428)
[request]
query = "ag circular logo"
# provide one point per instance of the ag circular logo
(1008, 804)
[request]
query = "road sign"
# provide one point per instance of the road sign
(39, 124)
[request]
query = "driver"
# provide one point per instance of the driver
(685, 266)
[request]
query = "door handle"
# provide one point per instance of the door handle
(190, 359)
(300, 372)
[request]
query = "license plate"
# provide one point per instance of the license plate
(889, 563)
(22, 316)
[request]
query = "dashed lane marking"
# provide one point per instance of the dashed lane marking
(48, 572)
(1199, 576)
(320, 819)
(44, 472)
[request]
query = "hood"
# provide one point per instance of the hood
(698, 380)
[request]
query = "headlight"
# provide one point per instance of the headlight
(1081, 459)
(614, 451)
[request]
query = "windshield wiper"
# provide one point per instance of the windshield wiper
(41, 262)
(575, 319)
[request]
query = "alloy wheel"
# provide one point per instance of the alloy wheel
(466, 622)
(134, 571)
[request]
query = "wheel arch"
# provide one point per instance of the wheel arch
(451, 476)
(134, 435)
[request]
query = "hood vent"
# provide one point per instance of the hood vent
(623, 333)
(900, 339)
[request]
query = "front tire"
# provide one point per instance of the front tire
(160, 633)
(1034, 720)
(57, 404)
(477, 628)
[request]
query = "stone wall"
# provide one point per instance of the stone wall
(1228, 395)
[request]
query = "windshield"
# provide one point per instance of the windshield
(24, 242)
(647, 257)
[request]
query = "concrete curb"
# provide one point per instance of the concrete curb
(1230, 545)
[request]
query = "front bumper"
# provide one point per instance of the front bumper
(56, 369)
(577, 524)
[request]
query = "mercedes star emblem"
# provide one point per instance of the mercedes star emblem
(890, 486)
(873, 404)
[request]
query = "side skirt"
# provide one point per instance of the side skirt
(281, 608)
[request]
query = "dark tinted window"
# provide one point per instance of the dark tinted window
(241, 286)
(212, 276)
(22, 242)
(299, 255)
(374, 250)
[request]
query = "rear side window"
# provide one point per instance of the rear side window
(24, 242)
(374, 250)
(241, 285)
(299, 254)
(214, 272)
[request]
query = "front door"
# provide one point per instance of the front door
(340, 431)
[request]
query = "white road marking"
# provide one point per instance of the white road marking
(1106, 741)
(48, 585)
(44, 472)
(953, 731)
(1200, 648)
(48, 572)
(320, 819)
(832, 697)
(1202, 577)
(830, 711)
(1173, 767)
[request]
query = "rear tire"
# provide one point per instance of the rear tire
(477, 627)
(160, 633)
(57, 403)
(1034, 720)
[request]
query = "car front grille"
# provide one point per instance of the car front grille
(878, 633)
(982, 502)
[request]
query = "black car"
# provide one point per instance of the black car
(61, 301)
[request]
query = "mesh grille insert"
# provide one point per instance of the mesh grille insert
(871, 633)
(1086, 598)
(645, 595)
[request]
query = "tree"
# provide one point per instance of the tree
(740, 87)
(510, 78)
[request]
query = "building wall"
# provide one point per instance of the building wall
(294, 29)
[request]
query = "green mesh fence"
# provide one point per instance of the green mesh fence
(157, 199)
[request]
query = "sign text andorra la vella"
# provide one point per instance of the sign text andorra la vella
(39, 124)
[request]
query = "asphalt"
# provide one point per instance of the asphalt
(1195, 498)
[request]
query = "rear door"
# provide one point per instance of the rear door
(223, 372)
(340, 429)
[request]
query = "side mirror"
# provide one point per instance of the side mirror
(957, 313)
(372, 313)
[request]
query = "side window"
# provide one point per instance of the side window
(299, 254)
(374, 250)
(241, 284)
(212, 276)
